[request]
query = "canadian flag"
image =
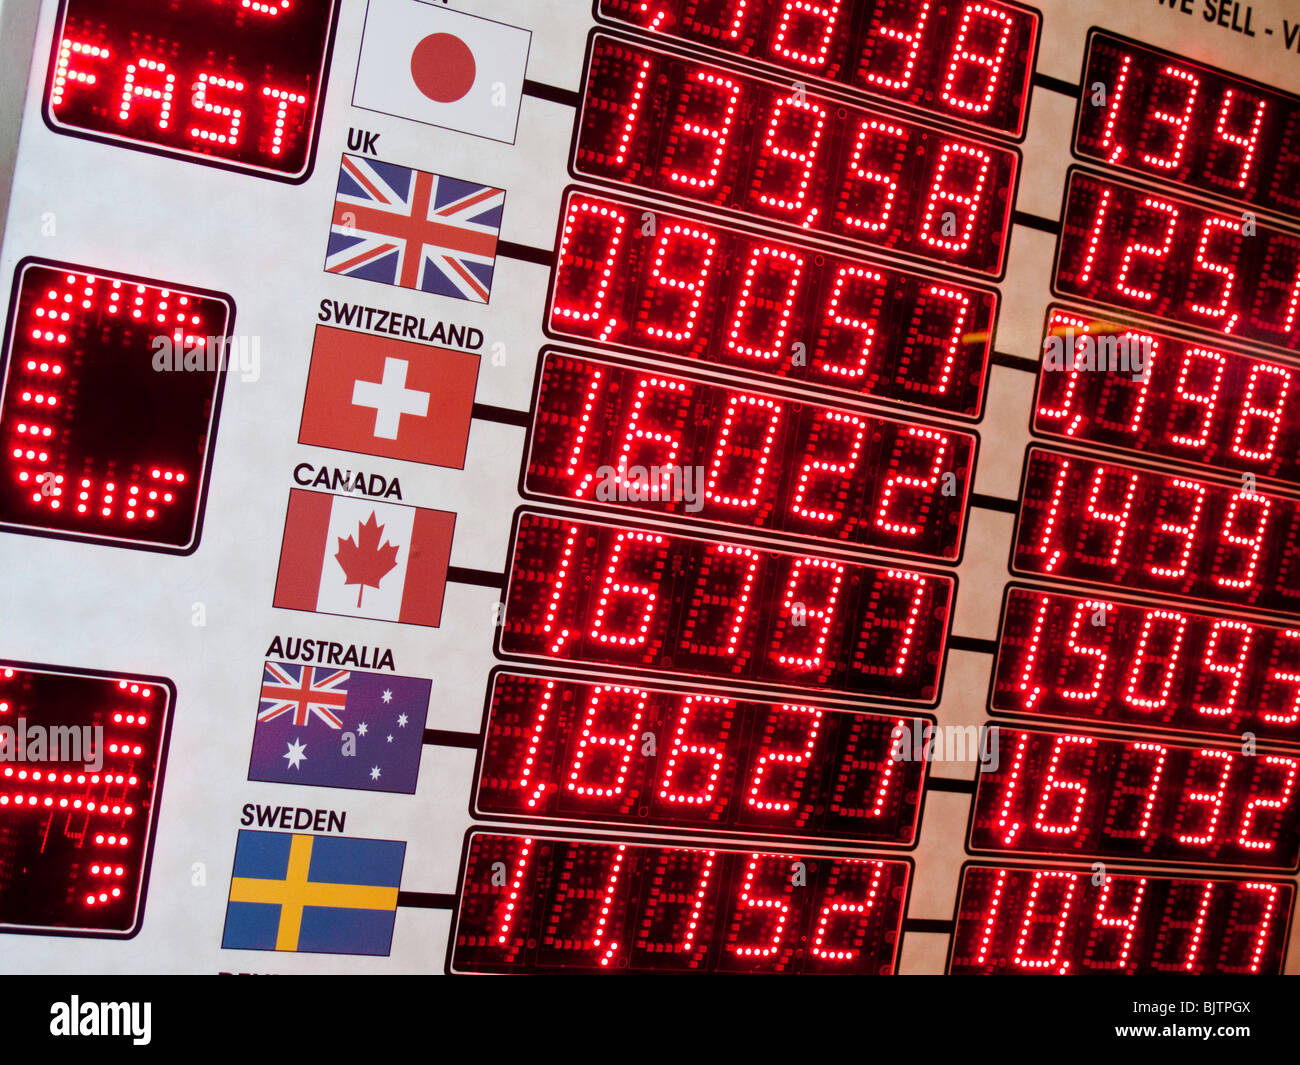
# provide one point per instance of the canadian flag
(424, 62)
(379, 396)
(363, 558)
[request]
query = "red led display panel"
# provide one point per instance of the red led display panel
(233, 83)
(108, 414)
(81, 762)
(1136, 799)
(1150, 667)
(1120, 525)
(1170, 258)
(638, 439)
(1056, 920)
(1189, 124)
(577, 751)
(702, 291)
(689, 130)
(638, 598)
(1190, 401)
(970, 61)
(575, 905)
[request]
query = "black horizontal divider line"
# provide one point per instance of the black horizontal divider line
(541, 91)
(1004, 506)
(508, 249)
(504, 415)
(437, 737)
(426, 900)
(479, 577)
(1051, 84)
(1033, 221)
(922, 924)
(1013, 362)
(972, 643)
(950, 785)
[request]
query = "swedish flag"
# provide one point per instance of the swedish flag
(314, 894)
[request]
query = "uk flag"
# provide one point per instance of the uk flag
(415, 229)
(303, 691)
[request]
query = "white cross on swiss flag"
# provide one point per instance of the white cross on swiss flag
(380, 396)
(425, 62)
(390, 399)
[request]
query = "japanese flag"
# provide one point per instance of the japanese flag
(424, 62)
(363, 558)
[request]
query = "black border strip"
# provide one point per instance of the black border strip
(525, 253)
(480, 578)
(1051, 84)
(1033, 221)
(426, 900)
(501, 415)
(436, 737)
(1014, 362)
(539, 90)
(1003, 506)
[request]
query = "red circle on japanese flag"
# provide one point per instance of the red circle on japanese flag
(443, 67)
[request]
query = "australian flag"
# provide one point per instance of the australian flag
(338, 728)
(415, 229)
(313, 894)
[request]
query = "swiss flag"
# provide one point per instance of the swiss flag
(422, 61)
(363, 558)
(379, 396)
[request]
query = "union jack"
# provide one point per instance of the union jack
(304, 691)
(415, 229)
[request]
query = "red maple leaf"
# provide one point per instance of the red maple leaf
(367, 559)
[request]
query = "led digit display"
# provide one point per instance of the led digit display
(1189, 124)
(702, 291)
(81, 762)
(1170, 258)
(1054, 920)
(575, 751)
(634, 438)
(1187, 400)
(970, 61)
(707, 134)
(1151, 667)
(635, 597)
(1137, 799)
(1119, 525)
(234, 83)
(576, 905)
(108, 415)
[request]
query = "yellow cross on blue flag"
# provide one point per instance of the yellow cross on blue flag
(313, 894)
